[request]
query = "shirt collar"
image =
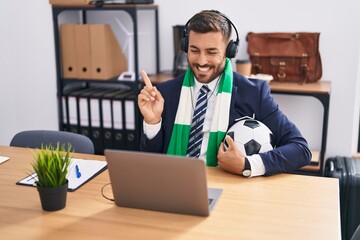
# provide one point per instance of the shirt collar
(212, 85)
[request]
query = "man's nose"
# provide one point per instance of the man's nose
(202, 59)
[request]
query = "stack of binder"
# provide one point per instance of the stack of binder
(90, 51)
(106, 115)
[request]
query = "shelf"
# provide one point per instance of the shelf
(320, 87)
(97, 108)
(320, 90)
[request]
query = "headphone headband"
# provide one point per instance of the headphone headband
(232, 47)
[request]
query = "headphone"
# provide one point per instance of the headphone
(231, 49)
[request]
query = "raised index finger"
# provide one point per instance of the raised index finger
(146, 79)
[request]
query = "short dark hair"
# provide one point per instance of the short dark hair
(210, 21)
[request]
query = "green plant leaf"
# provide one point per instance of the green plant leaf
(51, 165)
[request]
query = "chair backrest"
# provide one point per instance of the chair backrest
(356, 234)
(35, 138)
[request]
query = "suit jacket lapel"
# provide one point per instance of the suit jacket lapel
(232, 106)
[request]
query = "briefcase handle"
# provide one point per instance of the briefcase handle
(283, 36)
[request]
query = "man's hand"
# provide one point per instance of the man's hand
(150, 101)
(232, 160)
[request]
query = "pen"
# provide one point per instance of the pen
(78, 173)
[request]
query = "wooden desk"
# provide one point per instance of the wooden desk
(278, 207)
(161, 77)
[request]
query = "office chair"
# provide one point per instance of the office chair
(356, 234)
(35, 138)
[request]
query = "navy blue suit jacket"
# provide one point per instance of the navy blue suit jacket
(249, 96)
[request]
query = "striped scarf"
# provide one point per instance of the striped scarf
(181, 130)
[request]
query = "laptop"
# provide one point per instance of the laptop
(160, 182)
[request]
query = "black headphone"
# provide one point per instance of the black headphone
(231, 49)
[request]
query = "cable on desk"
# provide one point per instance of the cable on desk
(102, 192)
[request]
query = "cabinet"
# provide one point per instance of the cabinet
(320, 90)
(106, 110)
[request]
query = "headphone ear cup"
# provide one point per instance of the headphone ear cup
(184, 43)
(231, 49)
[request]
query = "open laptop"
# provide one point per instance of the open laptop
(160, 182)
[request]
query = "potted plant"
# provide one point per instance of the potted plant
(51, 166)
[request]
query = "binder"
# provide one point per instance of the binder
(66, 124)
(131, 128)
(84, 115)
(118, 127)
(74, 110)
(95, 124)
(83, 50)
(96, 119)
(73, 114)
(68, 51)
(64, 113)
(108, 59)
(84, 109)
(118, 108)
(107, 123)
(70, 110)
(108, 117)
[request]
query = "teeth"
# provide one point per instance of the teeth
(203, 69)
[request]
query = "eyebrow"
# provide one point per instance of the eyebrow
(207, 49)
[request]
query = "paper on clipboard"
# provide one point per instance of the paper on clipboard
(88, 169)
(3, 159)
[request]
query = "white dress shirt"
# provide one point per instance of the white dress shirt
(257, 166)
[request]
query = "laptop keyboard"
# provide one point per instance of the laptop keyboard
(210, 200)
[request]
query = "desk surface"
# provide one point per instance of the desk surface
(320, 87)
(278, 207)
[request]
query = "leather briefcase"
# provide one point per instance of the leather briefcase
(288, 57)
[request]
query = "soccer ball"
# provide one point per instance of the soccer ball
(251, 137)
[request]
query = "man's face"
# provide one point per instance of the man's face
(206, 55)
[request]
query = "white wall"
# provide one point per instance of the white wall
(27, 68)
(27, 61)
(339, 24)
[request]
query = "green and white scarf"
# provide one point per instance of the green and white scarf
(181, 130)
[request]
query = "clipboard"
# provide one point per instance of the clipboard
(80, 171)
(3, 159)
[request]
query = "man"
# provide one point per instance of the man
(183, 117)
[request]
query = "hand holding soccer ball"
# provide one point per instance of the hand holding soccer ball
(251, 137)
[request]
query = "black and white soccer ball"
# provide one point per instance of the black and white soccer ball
(251, 137)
